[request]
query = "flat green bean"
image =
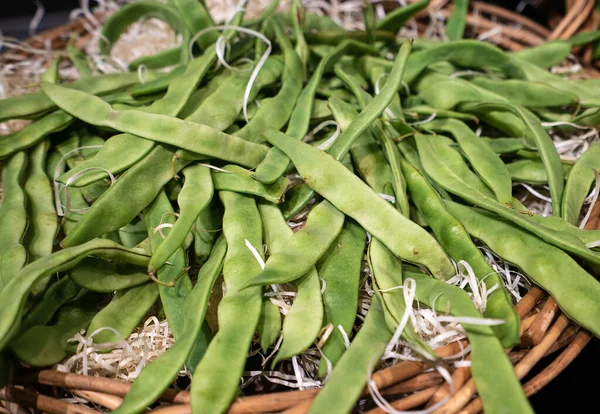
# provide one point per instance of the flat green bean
(33, 133)
(455, 239)
(304, 248)
(578, 184)
(352, 371)
(485, 162)
(493, 373)
(303, 322)
(542, 262)
(139, 185)
(100, 276)
(174, 280)
(123, 314)
(395, 19)
(16, 292)
(354, 198)
(189, 136)
(240, 180)
(158, 375)
(196, 194)
(445, 177)
(214, 387)
(42, 346)
(269, 324)
(34, 104)
(13, 220)
(196, 18)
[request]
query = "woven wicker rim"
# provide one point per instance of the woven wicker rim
(544, 329)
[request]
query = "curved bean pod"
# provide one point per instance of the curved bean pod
(123, 313)
(13, 220)
(579, 182)
(455, 239)
(485, 162)
(196, 18)
(176, 283)
(240, 180)
(340, 299)
(34, 133)
(139, 185)
(100, 276)
(395, 19)
(493, 373)
(542, 262)
(35, 104)
(158, 375)
(276, 162)
(213, 387)
(352, 371)
(196, 194)
(304, 248)
(16, 292)
(303, 322)
(42, 346)
(354, 198)
(445, 177)
(189, 136)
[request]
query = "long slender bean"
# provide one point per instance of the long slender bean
(196, 194)
(13, 220)
(579, 182)
(159, 374)
(239, 310)
(542, 262)
(189, 136)
(15, 293)
(355, 199)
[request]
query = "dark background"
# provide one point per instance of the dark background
(574, 390)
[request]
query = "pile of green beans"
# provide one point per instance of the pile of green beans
(128, 195)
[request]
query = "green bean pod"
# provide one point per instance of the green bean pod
(79, 60)
(303, 322)
(42, 346)
(455, 239)
(158, 375)
(189, 136)
(213, 387)
(542, 262)
(13, 220)
(35, 104)
(352, 371)
(276, 162)
(485, 162)
(33, 133)
(304, 248)
(455, 26)
(354, 198)
(446, 177)
(395, 19)
(58, 294)
(175, 282)
(578, 184)
(139, 185)
(493, 373)
(205, 230)
(16, 292)
(240, 180)
(196, 194)
(340, 298)
(100, 276)
(123, 313)
(544, 144)
(196, 18)
(269, 324)
(275, 112)
(43, 223)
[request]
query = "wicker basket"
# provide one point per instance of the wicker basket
(544, 329)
